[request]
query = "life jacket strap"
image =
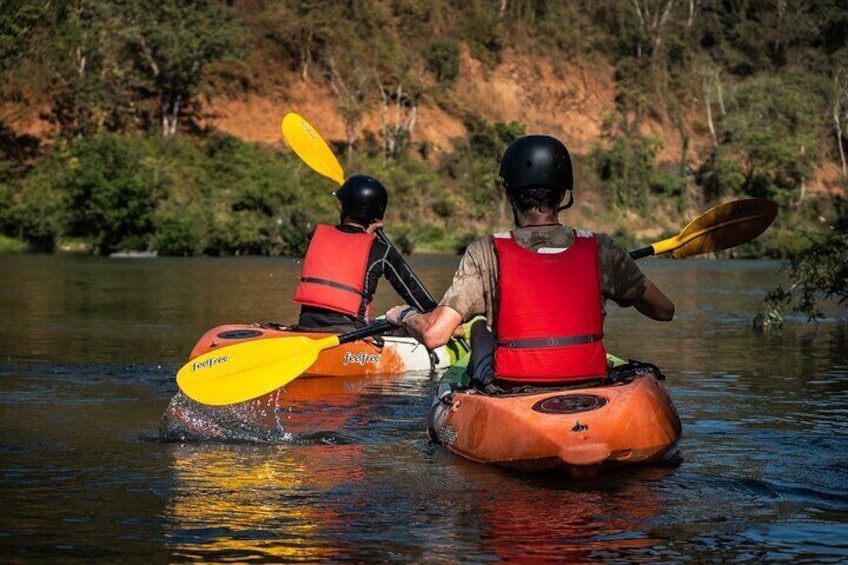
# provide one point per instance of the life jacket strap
(335, 284)
(550, 341)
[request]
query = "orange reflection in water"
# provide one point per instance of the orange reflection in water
(545, 518)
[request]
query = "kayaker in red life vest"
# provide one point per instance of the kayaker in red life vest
(541, 286)
(344, 263)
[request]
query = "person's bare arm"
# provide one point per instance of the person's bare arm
(655, 304)
(433, 329)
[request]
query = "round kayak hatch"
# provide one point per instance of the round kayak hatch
(239, 334)
(569, 404)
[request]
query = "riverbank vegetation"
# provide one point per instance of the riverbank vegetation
(818, 274)
(754, 93)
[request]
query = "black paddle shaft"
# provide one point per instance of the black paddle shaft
(374, 328)
(644, 252)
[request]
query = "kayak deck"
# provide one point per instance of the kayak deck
(389, 355)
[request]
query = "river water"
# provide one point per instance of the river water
(88, 352)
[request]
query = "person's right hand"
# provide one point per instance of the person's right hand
(374, 226)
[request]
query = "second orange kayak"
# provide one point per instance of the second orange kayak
(576, 430)
(388, 355)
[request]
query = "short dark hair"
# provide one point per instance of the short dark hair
(535, 198)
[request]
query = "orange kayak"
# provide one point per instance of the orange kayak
(389, 355)
(577, 430)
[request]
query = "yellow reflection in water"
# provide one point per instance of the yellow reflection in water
(234, 502)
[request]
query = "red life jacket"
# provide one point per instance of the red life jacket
(550, 312)
(334, 271)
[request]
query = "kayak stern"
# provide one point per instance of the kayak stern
(577, 430)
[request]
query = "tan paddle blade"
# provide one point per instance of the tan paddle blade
(725, 226)
(722, 227)
(311, 147)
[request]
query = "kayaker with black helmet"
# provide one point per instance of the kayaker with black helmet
(541, 286)
(344, 263)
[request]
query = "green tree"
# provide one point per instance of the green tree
(176, 233)
(33, 212)
(18, 20)
(773, 126)
(626, 169)
(79, 66)
(442, 59)
(112, 190)
(720, 176)
(474, 163)
(747, 37)
(262, 207)
(171, 43)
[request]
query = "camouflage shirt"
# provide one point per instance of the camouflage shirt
(474, 288)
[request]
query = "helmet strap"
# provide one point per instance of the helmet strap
(568, 204)
(563, 207)
(540, 225)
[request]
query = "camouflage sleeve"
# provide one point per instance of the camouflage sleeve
(622, 281)
(467, 293)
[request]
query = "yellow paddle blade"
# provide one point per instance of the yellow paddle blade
(724, 226)
(244, 371)
(311, 147)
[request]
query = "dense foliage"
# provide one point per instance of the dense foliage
(817, 273)
(132, 167)
(181, 197)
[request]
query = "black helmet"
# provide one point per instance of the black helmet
(536, 161)
(363, 199)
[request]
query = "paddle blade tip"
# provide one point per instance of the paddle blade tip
(308, 144)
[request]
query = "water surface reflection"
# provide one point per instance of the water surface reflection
(88, 352)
